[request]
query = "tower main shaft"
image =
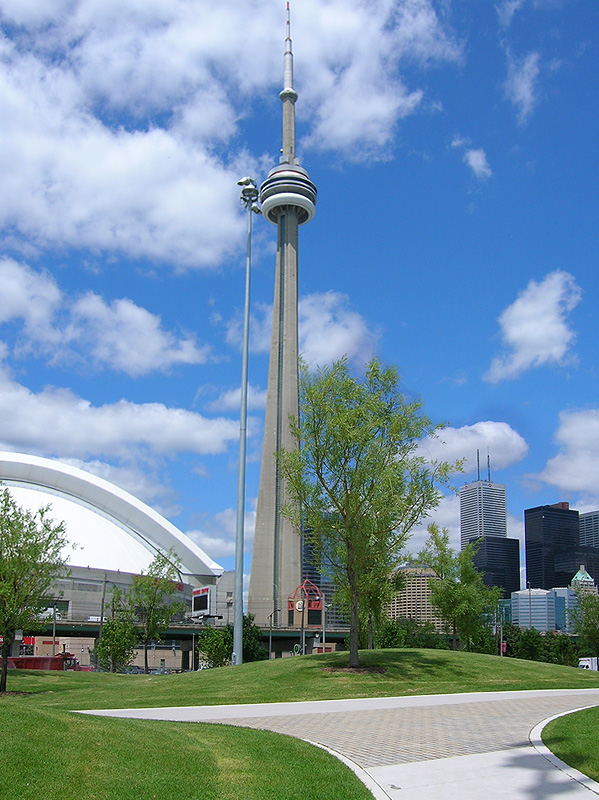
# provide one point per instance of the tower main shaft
(288, 200)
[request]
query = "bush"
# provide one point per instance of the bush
(410, 633)
(215, 645)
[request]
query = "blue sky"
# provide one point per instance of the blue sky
(454, 147)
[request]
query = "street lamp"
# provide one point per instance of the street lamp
(249, 195)
(270, 616)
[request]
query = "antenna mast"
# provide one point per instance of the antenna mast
(288, 97)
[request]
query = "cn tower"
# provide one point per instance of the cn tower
(288, 197)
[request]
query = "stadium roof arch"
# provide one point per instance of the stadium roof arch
(108, 528)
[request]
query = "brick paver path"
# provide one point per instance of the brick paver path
(378, 737)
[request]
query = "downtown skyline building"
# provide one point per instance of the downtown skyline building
(589, 528)
(483, 519)
(557, 544)
(288, 199)
(483, 511)
(552, 539)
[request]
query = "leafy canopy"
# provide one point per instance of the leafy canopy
(31, 547)
(152, 599)
(118, 646)
(458, 593)
(584, 618)
(215, 645)
(356, 481)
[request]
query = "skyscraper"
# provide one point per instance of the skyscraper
(483, 519)
(482, 511)
(498, 558)
(288, 200)
(552, 542)
(589, 529)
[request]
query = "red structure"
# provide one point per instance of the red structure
(61, 662)
(304, 606)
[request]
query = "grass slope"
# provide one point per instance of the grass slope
(45, 751)
(407, 672)
(573, 738)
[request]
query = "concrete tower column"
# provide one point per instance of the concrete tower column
(288, 198)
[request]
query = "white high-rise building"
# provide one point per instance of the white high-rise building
(589, 529)
(482, 511)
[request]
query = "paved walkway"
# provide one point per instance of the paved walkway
(479, 745)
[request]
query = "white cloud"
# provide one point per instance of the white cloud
(114, 113)
(459, 141)
(521, 84)
(32, 297)
(576, 467)
(59, 423)
(477, 161)
(475, 158)
(231, 400)
(504, 445)
(445, 515)
(534, 327)
(142, 484)
(126, 337)
(219, 535)
(328, 330)
(353, 88)
(122, 336)
(260, 329)
(506, 11)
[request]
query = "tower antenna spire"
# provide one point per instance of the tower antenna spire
(288, 97)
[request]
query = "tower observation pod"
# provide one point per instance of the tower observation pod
(288, 199)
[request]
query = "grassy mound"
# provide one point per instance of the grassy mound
(397, 672)
(45, 751)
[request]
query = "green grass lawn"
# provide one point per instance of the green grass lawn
(47, 752)
(573, 738)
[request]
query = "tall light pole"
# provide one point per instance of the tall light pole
(249, 195)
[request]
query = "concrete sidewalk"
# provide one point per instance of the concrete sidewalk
(478, 745)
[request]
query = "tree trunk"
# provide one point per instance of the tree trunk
(370, 633)
(354, 660)
(354, 622)
(146, 670)
(6, 646)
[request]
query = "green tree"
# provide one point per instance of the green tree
(216, 644)
(117, 644)
(512, 636)
(116, 650)
(584, 618)
(560, 649)
(531, 646)
(459, 593)
(152, 600)
(31, 547)
(410, 633)
(356, 482)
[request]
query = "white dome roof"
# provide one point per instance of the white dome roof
(108, 527)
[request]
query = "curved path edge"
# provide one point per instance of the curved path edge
(536, 741)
